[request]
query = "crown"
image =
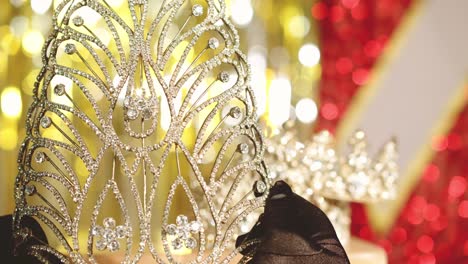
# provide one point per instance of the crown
(317, 171)
(142, 128)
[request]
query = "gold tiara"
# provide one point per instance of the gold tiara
(142, 128)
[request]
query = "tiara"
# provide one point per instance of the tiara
(142, 128)
(318, 172)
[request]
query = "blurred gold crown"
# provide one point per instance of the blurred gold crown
(317, 166)
(138, 112)
(316, 171)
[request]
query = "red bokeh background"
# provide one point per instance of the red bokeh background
(432, 227)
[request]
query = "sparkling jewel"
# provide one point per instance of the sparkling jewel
(121, 231)
(213, 43)
(191, 243)
(181, 220)
(114, 246)
(197, 10)
(140, 103)
(70, 48)
(40, 157)
(260, 187)
(101, 245)
(171, 230)
(235, 112)
(128, 102)
(109, 222)
(177, 243)
(109, 234)
(132, 114)
(147, 113)
(78, 21)
(195, 227)
(97, 230)
(46, 122)
(59, 89)
(22, 235)
(243, 148)
(26, 232)
(30, 190)
(224, 76)
(182, 231)
(107, 237)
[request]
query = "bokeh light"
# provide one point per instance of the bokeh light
(17, 3)
(306, 110)
(19, 25)
(425, 244)
(258, 61)
(40, 6)
(457, 187)
(242, 12)
(299, 26)
(463, 209)
(280, 101)
(329, 111)
(32, 42)
(11, 103)
(319, 10)
(309, 55)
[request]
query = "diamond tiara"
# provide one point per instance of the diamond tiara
(331, 180)
(141, 113)
(315, 167)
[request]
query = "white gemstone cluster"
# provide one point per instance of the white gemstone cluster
(182, 232)
(108, 236)
(140, 107)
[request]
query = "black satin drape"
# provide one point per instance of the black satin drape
(293, 231)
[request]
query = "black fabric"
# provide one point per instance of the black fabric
(292, 230)
(8, 253)
(7, 241)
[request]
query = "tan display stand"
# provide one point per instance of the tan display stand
(363, 252)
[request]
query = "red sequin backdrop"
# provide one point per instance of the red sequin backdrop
(433, 225)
